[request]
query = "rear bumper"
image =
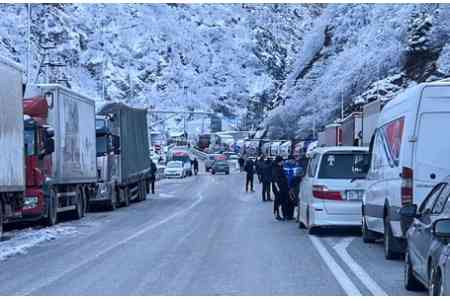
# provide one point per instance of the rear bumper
(320, 217)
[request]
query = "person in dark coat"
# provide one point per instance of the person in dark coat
(266, 178)
(195, 163)
(259, 166)
(292, 170)
(281, 189)
(241, 162)
(250, 170)
(153, 170)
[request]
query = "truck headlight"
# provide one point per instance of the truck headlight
(31, 202)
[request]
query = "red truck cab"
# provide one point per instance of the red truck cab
(39, 145)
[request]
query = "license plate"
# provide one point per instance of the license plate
(354, 195)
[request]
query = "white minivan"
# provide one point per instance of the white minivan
(410, 153)
(332, 189)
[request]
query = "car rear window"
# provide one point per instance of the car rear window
(343, 165)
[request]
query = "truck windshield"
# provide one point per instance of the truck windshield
(343, 165)
(102, 145)
(30, 141)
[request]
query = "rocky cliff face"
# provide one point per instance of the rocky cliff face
(357, 54)
(210, 57)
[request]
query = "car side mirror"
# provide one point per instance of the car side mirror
(409, 211)
(441, 228)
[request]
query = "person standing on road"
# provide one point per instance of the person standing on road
(195, 163)
(153, 170)
(241, 163)
(250, 170)
(281, 189)
(291, 170)
(266, 178)
(259, 167)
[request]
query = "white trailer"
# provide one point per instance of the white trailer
(371, 111)
(12, 163)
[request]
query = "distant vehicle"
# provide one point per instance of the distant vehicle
(210, 160)
(331, 136)
(220, 166)
(330, 194)
(208, 141)
(184, 157)
(409, 153)
(285, 149)
(175, 169)
(352, 130)
(427, 238)
(371, 112)
(275, 148)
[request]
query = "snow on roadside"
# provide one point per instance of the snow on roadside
(22, 240)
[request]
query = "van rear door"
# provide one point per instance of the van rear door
(432, 149)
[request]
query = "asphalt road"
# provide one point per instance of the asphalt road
(200, 236)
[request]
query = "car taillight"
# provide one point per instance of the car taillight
(407, 186)
(322, 192)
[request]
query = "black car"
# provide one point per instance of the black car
(427, 236)
(220, 166)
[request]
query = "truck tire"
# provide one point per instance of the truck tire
(78, 213)
(52, 210)
(390, 242)
(368, 236)
(124, 195)
(1, 220)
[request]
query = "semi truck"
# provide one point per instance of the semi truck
(123, 156)
(371, 111)
(331, 136)
(352, 130)
(12, 162)
(60, 152)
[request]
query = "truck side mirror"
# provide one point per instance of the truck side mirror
(49, 146)
(116, 144)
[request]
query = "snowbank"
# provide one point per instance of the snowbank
(21, 241)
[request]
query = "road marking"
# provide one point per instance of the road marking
(338, 273)
(112, 247)
(372, 286)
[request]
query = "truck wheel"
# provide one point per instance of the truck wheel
(78, 213)
(1, 221)
(52, 213)
(125, 196)
(368, 236)
(389, 241)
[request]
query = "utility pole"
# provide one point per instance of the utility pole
(342, 105)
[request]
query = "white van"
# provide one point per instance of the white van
(410, 153)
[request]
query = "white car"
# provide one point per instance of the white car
(332, 189)
(409, 155)
(174, 169)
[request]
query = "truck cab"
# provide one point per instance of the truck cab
(39, 145)
(108, 151)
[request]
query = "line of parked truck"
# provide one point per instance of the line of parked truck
(60, 156)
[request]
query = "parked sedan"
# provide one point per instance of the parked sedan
(427, 238)
(220, 166)
(331, 191)
(175, 169)
(441, 278)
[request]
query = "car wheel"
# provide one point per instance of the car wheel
(435, 286)
(409, 279)
(389, 240)
(299, 220)
(368, 236)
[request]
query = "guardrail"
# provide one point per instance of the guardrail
(199, 154)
